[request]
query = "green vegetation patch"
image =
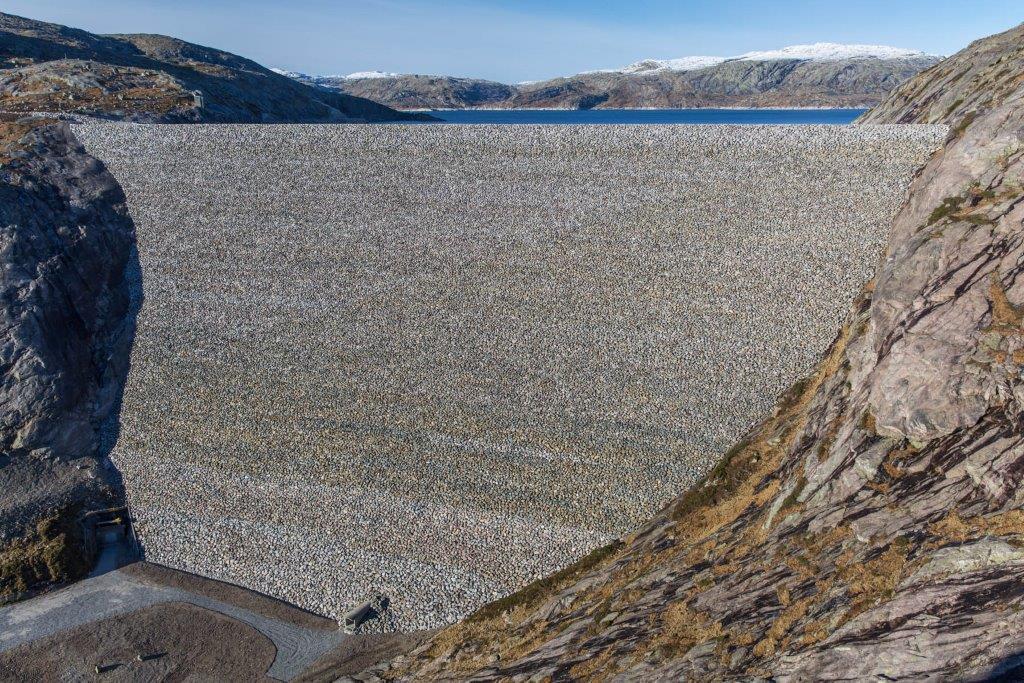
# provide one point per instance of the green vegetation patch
(720, 482)
(738, 464)
(543, 587)
(53, 552)
(948, 207)
(791, 499)
(976, 219)
(964, 124)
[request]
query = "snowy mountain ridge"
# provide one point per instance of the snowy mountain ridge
(827, 52)
(300, 76)
(816, 52)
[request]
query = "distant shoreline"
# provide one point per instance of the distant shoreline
(638, 109)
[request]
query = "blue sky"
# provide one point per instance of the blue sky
(514, 40)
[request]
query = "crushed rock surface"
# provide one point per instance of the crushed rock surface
(437, 362)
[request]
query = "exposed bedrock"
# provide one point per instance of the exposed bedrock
(440, 362)
(65, 242)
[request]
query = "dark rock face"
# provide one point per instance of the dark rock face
(872, 527)
(51, 68)
(65, 240)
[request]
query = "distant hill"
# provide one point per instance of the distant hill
(818, 75)
(51, 68)
(404, 91)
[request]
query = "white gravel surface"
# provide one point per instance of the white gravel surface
(437, 362)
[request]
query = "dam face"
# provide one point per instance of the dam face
(438, 362)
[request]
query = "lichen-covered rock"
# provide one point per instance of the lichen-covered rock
(65, 326)
(871, 528)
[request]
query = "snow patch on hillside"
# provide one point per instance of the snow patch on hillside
(298, 75)
(818, 52)
(681, 64)
(371, 74)
(830, 52)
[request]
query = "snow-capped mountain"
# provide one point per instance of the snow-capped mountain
(681, 64)
(830, 52)
(818, 52)
(299, 76)
(371, 74)
(814, 75)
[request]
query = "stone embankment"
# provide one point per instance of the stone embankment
(439, 362)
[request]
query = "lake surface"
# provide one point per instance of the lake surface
(650, 116)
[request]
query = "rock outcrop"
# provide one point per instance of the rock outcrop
(55, 69)
(66, 241)
(980, 78)
(871, 528)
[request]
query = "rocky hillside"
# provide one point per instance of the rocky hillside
(849, 83)
(54, 69)
(982, 77)
(421, 92)
(872, 527)
(67, 245)
(821, 75)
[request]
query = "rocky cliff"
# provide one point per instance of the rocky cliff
(51, 68)
(872, 526)
(854, 82)
(66, 241)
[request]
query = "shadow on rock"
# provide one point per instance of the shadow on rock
(71, 290)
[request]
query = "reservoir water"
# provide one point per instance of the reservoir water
(649, 116)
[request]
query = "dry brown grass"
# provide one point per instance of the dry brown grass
(53, 552)
(13, 132)
(955, 529)
(951, 528)
(683, 627)
(873, 582)
(867, 422)
(1005, 316)
(733, 486)
(814, 632)
(793, 613)
(893, 471)
(592, 668)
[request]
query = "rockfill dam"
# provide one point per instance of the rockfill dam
(437, 362)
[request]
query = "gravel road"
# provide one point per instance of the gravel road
(437, 362)
(117, 593)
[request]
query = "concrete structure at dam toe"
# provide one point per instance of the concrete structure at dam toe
(437, 362)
